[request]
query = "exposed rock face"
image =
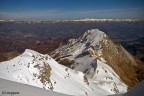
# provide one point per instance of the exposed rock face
(96, 45)
(120, 60)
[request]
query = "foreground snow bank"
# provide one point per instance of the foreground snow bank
(7, 88)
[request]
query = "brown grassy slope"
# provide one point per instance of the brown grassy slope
(41, 45)
(15, 45)
(122, 62)
(8, 55)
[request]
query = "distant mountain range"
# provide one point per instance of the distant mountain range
(85, 19)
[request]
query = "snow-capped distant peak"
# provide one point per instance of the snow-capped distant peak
(103, 20)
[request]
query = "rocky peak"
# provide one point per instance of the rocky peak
(95, 44)
(90, 36)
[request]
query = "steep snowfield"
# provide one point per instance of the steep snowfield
(42, 71)
(107, 79)
(85, 55)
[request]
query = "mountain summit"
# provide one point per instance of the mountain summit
(85, 54)
(95, 46)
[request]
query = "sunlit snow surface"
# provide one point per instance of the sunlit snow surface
(67, 82)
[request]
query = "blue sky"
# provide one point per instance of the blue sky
(70, 9)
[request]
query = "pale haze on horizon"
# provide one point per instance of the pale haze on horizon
(67, 10)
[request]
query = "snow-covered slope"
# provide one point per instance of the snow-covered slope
(10, 88)
(85, 54)
(42, 71)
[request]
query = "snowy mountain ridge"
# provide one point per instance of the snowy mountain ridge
(82, 54)
(88, 73)
(42, 71)
(85, 54)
